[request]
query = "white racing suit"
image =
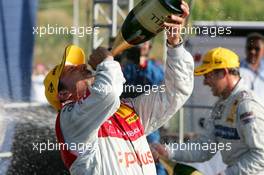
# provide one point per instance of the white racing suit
(236, 125)
(111, 135)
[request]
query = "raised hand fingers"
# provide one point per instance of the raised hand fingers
(185, 8)
(174, 19)
(98, 56)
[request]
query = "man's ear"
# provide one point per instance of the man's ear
(150, 46)
(226, 71)
(64, 95)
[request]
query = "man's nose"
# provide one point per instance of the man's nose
(252, 51)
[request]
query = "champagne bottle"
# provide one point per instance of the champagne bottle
(177, 168)
(181, 169)
(144, 22)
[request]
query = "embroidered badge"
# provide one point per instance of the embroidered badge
(247, 117)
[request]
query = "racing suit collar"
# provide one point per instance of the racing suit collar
(239, 86)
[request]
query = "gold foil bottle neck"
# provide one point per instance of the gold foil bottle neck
(170, 166)
(120, 44)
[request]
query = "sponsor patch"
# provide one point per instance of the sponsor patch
(129, 158)
(132, 119)
(124, 111)
(217, 111)
(243, 94)
(226, 132)
(247, 117)
(232, 114)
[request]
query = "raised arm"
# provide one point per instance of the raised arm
(158, 107)
(102, 100)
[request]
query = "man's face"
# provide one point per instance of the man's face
(254, 51)
(145, 48)
(72, 75)
(215, 80)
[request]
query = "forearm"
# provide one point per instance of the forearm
(109, 78)
(178, 73)
(158, 107)
(178, 84)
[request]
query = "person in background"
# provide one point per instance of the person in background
(252, 67)
(235, 126)
(37, 88)
(142, 71)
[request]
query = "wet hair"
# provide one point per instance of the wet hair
(255, 36)
(61, 86)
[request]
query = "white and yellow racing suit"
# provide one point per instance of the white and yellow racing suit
(236, 125)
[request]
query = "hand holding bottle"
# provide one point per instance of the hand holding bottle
(99, 55)
(158, 150)
(161, 153)
(145, 21)
(174, 23)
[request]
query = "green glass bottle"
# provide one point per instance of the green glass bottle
(174, 168)
(181, 169)
(144, 22)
